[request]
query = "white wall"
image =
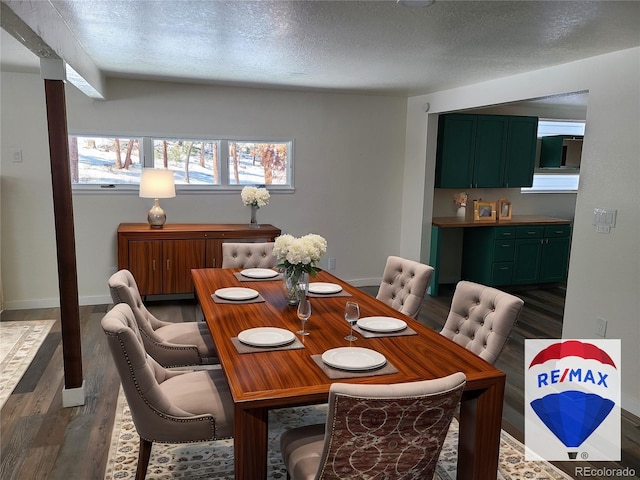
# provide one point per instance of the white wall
(349, 151)
(604, 270)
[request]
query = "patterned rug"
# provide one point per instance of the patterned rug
(214, 460)
(19, 343)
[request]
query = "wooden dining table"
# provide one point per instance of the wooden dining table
(287, 378)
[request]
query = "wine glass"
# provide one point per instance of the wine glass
(351, 315)
(304, 312)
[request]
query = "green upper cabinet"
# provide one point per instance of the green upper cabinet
(456, 150)
(485, 151)
(521, 151)
(491, 142)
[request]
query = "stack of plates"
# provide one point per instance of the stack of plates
(353, 358)
(381, 324)
(324, 288)
(236, 293)
(259, 273)
(266, 337)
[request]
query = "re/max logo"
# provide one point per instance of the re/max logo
(572, 375)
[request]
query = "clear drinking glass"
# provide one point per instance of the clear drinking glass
(304, 312)
(351, 315)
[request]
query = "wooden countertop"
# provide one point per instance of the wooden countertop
(456, 222)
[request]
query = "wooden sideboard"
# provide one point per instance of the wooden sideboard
(161, 259)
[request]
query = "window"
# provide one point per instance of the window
(117, 162)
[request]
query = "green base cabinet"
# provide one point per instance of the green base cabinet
(487, 255)
(516, 255)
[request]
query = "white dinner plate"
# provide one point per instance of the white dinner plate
(259, 273)
(381, 324)
(353, 358)
(326, 288)
(236, 293)
(266, 337)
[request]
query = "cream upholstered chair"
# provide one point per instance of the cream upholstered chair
(248, 255)
(170, 344)
(166, 406)
(375, 431)
(481, 318)
(404, 283)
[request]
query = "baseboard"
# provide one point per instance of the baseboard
(55, 302)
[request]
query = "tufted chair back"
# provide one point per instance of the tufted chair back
(166, 406)
(481, 319)
(124, 289)
(404, 283)
(171, 344)
(248, 255)
(376, 431)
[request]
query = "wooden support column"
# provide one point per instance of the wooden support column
(65, 240)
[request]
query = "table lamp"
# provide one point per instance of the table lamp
(157, 183)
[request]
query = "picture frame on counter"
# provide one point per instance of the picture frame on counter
(484, 211)
(504, 209)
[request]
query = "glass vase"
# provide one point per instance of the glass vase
(295, 284)
(254, 221)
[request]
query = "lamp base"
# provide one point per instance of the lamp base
(156, 216)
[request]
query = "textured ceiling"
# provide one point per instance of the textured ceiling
(364, 47)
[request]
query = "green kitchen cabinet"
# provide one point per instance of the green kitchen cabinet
(520, 151)
(543, 256)
(487, 255)
(456, 150)
(516, 255)
(485, 151)
(560, 151)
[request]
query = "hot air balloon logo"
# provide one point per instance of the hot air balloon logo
(572, 396)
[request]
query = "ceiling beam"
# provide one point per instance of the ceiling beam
(38, 26)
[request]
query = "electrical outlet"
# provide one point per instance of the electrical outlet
(331, 263)
(601, 327)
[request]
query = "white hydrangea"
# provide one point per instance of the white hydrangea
(258, 197)
(306, 250)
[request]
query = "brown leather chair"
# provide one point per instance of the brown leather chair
(170, 344)
(481, 318)
(404, 284)
(372, 430)
(248, 255)
(166, 406)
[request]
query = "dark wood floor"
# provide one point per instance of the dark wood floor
(42, 440)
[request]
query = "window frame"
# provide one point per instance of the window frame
(147, 161)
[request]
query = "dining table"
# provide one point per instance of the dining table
(261, 379)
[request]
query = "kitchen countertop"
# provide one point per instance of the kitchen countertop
(456, 222)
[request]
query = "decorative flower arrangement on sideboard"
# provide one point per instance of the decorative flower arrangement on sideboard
(255, 197)
(297, 259)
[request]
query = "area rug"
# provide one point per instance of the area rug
(19, 343)
(214, 460)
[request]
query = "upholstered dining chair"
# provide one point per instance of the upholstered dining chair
(375, 431)
(248, 255)
(166, 406)
(481, 318)
(171, 344)
(404, 284)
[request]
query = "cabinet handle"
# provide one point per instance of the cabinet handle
(153, 265)
(559, 232)
(506, 234)
(506, 245)
(213, 263)
(504, 268)
(168, 263)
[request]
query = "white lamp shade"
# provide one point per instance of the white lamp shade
(157, 183)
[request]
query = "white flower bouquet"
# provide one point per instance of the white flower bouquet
(301, 254)
(254, 196)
